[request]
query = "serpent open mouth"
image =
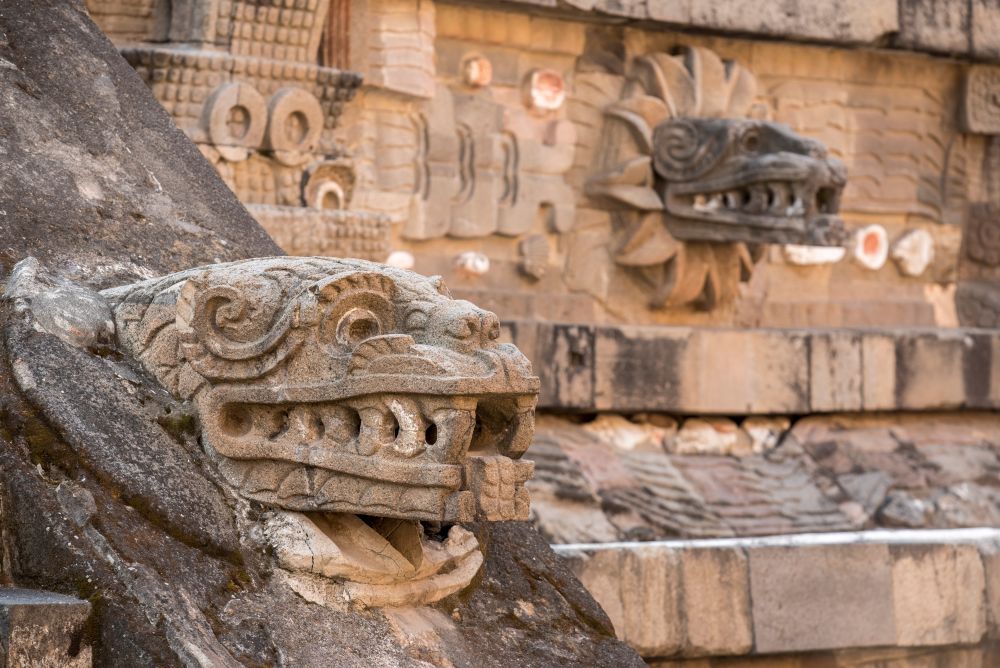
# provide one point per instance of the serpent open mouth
(433, 457)
(769, 210)
(761, 184)
(361, 410)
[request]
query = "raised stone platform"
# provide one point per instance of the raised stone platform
(760, 371)
(803, 593)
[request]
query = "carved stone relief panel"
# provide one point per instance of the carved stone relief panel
(690, 182)
(127, 19)
(487, 167)
(243, 81)
(354, 400)
(977, 298)
(907, 157)
(981, 101)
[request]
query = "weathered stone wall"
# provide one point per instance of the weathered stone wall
(702, 537)
(445, 140)
(845, 600)
(891, 117)
(106, 492)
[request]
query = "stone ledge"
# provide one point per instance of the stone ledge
(798, 593)
(945, 27)
(760, 371)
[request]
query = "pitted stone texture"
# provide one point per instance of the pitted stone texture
(41, 629)
(163, 596)
(341, 386)
(75, 314)
(844, 597)
(331, 387)
(97, 168)
(158, 581)
(674, 163)
(938, 595)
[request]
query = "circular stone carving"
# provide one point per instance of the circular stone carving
(295, 121)
(235, 116)
(982, 99)
(871, 247)
(544, 90)
(328, 185)
(983, 239)
(477, 71)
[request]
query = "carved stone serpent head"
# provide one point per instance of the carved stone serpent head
(340, 388)
(692, 181)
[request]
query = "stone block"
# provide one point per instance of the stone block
(43, 630)
(930, 370)
(569, 353)
(821, 597)
(979, 109)
(994, 384)
(878, 372)
(835, 371)
(637, 366)
(653, 616)
(600, 572)
(840, 21)
(758, 371)
(938, 594)
(743, 372)
(990, 554)
(716, 586)
(933, 25)
(639, 589)
(985, 26)
(711, 436)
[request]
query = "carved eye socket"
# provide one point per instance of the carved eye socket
(357, 325)
(416, 320)
(750, 141)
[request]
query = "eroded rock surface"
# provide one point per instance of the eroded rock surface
(98, 182)
(181, 560)
(110, 487)
(822, 473)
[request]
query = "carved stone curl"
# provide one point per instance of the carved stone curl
(690, 182)
(356, 401)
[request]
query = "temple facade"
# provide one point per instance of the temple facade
(752, 250)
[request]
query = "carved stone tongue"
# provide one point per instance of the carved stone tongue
(382, 551)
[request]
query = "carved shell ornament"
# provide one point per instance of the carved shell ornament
(366, 408)
(693, 184)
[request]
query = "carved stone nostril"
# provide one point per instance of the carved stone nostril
(491, 326)
(464, 327)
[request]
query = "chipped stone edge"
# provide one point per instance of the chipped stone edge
(907, 551)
